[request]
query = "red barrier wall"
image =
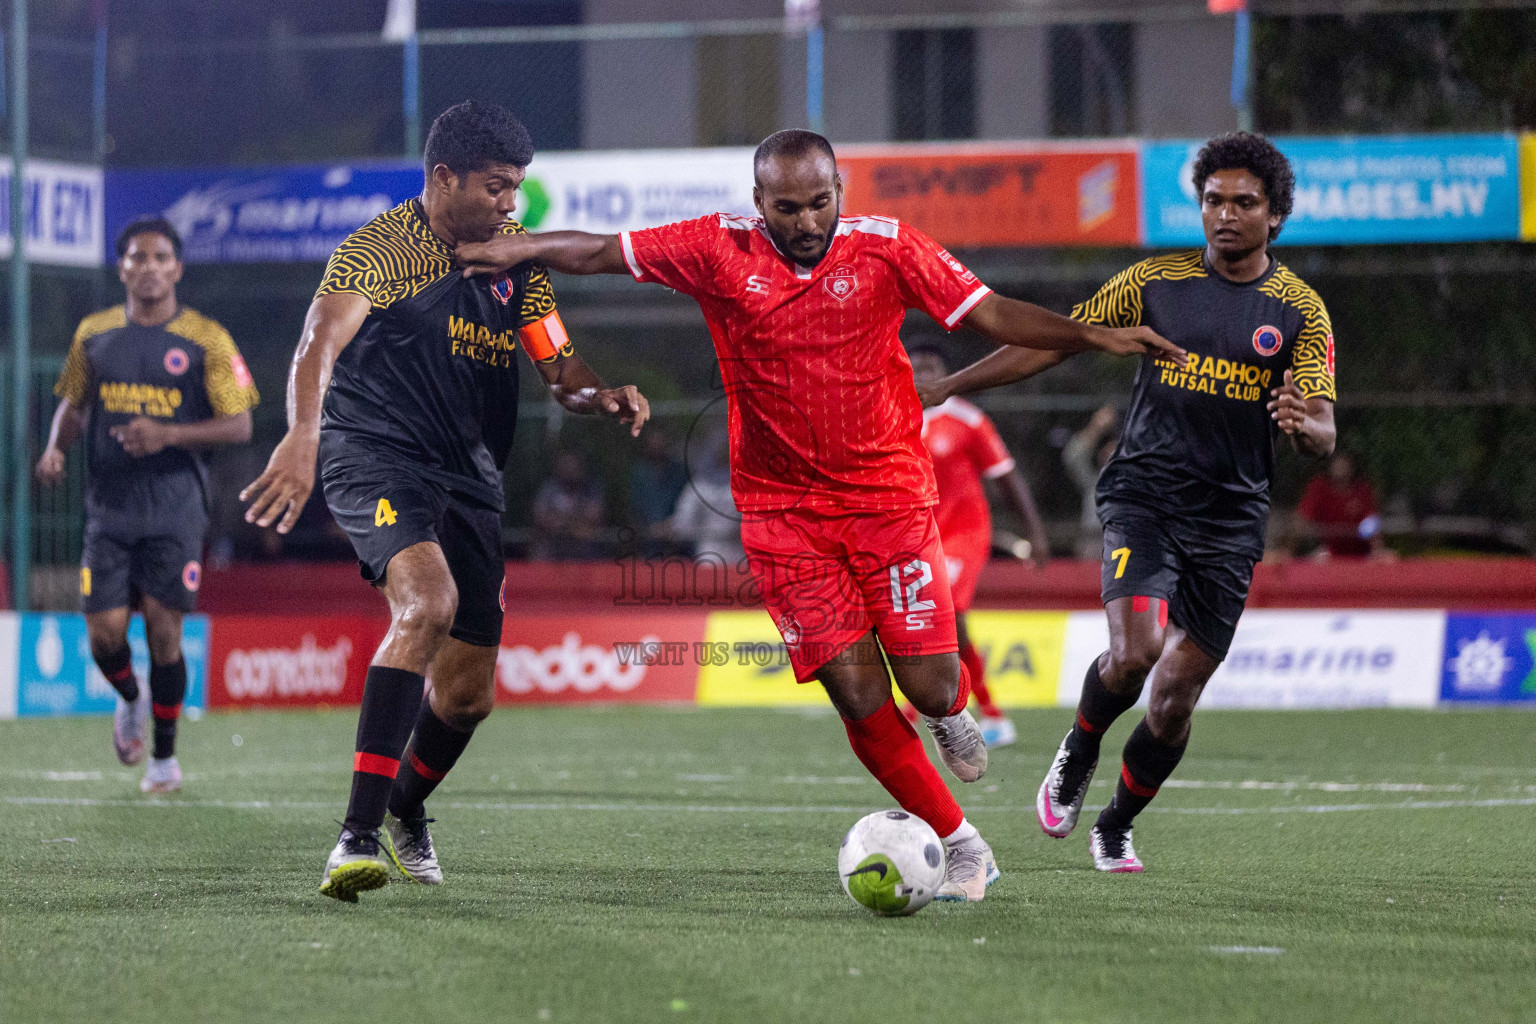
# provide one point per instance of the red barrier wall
(601, 587)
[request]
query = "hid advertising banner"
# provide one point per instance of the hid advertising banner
(1490, 658)
(65, 205)
(1018, 195)
(1300, 659)
(283, 661)
(55, 674)
(1354, 190)
(609, 192)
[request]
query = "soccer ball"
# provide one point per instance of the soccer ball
(891, 863)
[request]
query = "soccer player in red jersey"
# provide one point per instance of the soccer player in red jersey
(967, 451)
(827, 460)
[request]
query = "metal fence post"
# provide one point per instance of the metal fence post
(21, 326)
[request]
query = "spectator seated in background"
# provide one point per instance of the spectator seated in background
(1338, 512)
(568, 512)
(1085, 456)
(656, 480)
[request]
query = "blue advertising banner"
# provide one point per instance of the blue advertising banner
(56, 676)
(1426, 188)
(259, 215)
(1489, 658)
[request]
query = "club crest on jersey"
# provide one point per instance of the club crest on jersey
(192, 576)
(841, 283)
(789, 629)
(1330, 355)
(1267, 340)
(176, 362)
(501, 287)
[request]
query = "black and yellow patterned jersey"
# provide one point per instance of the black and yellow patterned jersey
(1198, 439)
(431, 376)
(182, 371)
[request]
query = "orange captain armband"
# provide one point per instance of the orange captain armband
(545, 338)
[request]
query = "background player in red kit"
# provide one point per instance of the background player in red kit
(827, 461)
(966, 450)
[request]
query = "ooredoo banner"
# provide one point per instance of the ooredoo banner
(642, 656)
(291, 661)
(1020, 195)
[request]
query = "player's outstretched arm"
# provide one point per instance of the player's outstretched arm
(579, 389)
(68, 424)
(1011, 322)
(1003, 366)
(279, 494)
(144, 435)
(570, 252)
(1308, 421)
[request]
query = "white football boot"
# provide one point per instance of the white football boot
(998, 732)
(128, 724)
(1061, 795)
(163, 775)
(1112, 851)
(961, 747)
(354, 866)
(969, 868)
(409, 845)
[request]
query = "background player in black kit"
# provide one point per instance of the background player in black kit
(1185, 500)
(153, 383)
(405, 385)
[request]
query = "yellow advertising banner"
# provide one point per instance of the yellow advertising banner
(1528, 187)
(744, 663)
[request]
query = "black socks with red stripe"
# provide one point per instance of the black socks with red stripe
(167, 689)
(434, 750)
(1147, 763)
(1096, 711)
(117, 667)
(391, 697)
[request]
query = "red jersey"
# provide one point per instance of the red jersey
(966, 450)
(823, 412)
(1343, 516)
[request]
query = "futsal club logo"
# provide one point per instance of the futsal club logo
(176, 362)
(192, 576)
(841, 283)
(501, 287)
(1267, 340)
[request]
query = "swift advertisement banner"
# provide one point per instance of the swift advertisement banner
(1022, 195)
(1424, 188)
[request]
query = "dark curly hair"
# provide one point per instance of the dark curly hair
(148, 226)
(1259, 157)
(472, 135)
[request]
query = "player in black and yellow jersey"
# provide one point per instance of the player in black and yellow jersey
(1185, 500)
(405, 385)
(149, 383)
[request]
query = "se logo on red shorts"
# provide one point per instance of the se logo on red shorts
(176, 362)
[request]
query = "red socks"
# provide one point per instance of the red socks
(962, 691)
(970, 660)
(890, 749)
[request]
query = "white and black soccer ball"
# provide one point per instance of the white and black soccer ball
(891, 863)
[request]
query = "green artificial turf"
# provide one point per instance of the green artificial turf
(652, 864)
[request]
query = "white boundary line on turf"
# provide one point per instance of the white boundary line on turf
(278, 805)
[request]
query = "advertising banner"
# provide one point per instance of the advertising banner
(747, 664)
(65, 206)
(283, 661)
(1019, 195)
(1300, 659)
(1490, 658)
(1353, 190)
(56, 675)
(1528, 187)
(260, 215)
(1022, 652)
(618, 191)
(9, 625)
(639, 656)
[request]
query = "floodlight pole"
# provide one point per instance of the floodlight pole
(1242, 68)
(21, 323)
(813, 78)
(410, 95)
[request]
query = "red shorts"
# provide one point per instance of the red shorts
(827, 579)
(966, 554)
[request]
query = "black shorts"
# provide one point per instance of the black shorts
(1202, 570)
(121, 562)
(385, 507)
